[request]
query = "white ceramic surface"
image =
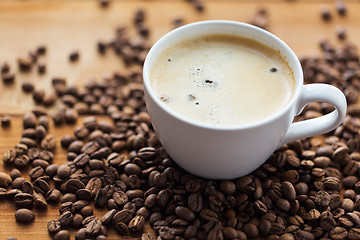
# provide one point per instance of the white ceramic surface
(231, 152)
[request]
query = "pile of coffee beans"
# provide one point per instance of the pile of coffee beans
(308, 189)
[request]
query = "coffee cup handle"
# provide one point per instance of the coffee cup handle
(317, 92)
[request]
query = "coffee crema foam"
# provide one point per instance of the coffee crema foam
(222, 80)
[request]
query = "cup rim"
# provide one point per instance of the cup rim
(298, 80)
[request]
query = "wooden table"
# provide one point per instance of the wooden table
(64, 26)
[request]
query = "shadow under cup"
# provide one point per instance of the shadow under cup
(219, 152)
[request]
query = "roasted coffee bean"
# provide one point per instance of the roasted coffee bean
(120, 198)
(354, 233)
(101, 197)
(66, 206)
(41, 68)
(67, 140)
(5, 67)
(81, 234)
(81, 132)
(5, 180)
(40, 163)
(27, 187)
(18, 182)
(9, 156)
(136, 193)
(77, 220)
(163, 198)
(338, 233)
(208, 215)
(24, 215)
(21, 161)
(41, 186)
(260, 207)
(8, 78)
(283, 205)
(251, 230)
(148, 236)
(24, 64)
(76, 146)
(62, 235)
(51, 170)
(71, 116)
(63, 171)
(93, 227)
(53, 195)
(325, 13)
(81, 160)
(166, 233)
(66, 218)
(122, 216)
(36, 172)
(227, 187)
(132, 169)
(74, 56)
(39, 200)
(48, 142)
(136, 223)
(83, 194)
(78, 205)
(15, 173)
(121, 228)
(5, 121)
(347, 204)
(150, 201)
(21, 149)
(107, 218)
(30, 143)
(43, 121)
(29, 120)
(94, 186)
(341, 8)
(88, 219)
(46, 155)
(53, 226)
(86, 211)
(73, 185)
(90, 123)
(23, 200)
(185, 213)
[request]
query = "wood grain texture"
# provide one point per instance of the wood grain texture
(64, 26)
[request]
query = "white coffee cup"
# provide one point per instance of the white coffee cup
(219, 152)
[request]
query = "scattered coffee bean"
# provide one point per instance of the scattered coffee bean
(325, 13)
(5, 180)
(341, 32)
(24, 215)
(24, 64)
(41, 50)
(5, 121)
(341, 7)
(8, 78)
(104, 3)
(62, 235)
(41, 68)
(74, 56)
(4, 68)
